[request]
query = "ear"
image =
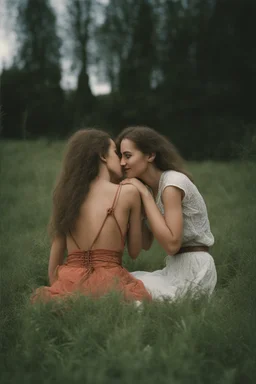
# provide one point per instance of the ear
(151, 157)
(103, 159)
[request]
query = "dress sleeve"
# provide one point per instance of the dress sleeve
(176, 179)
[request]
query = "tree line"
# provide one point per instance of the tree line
(184, 67)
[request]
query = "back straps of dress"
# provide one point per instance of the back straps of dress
(72, 237)
(110, 212)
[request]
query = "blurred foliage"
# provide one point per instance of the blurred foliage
(185, 68)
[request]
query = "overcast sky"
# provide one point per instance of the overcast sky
(8, 44)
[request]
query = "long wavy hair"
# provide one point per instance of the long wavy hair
(80, 167)
(148, 141)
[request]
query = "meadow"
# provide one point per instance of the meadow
(191, 341)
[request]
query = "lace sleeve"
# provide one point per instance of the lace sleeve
(176, 179)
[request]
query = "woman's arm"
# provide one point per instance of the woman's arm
(168, 229)
(56, 256)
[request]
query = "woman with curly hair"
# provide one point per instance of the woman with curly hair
(92, 217)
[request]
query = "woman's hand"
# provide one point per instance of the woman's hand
(143, 190)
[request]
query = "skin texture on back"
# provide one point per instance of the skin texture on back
(93, 212)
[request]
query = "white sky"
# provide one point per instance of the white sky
(8, 44)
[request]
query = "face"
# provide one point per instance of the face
(133, 161)
(113, 162)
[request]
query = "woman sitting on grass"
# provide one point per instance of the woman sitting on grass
(90, 220)
(175, 211)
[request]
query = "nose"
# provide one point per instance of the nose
(123, 162)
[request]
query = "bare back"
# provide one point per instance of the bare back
(93, 213)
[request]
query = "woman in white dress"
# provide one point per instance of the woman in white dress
(176, 214)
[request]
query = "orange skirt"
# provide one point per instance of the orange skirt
(93, 273)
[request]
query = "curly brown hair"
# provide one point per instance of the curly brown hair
(80, 167)
(148, 141)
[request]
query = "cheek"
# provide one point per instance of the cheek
(134, 162)
(138, 166)
(114, 164)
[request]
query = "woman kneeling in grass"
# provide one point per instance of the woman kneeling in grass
(176, 214)
(90, 220)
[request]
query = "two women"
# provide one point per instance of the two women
(90, 221)
(92, 216)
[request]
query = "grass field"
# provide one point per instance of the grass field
(106, 341)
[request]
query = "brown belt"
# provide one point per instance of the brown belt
(192, 248)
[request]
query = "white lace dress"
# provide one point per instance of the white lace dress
(191, 271)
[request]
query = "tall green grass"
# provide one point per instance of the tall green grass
(107, 341)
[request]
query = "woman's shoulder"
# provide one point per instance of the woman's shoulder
(175, 179)
(171, 176)
(129, 192)
(129, 188)
(175, 175)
